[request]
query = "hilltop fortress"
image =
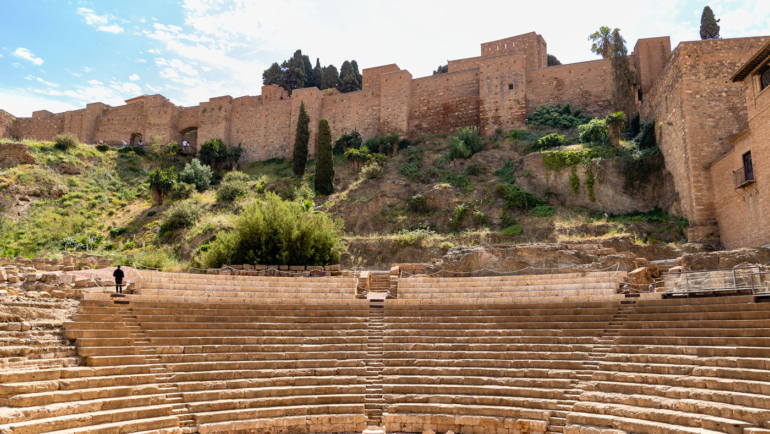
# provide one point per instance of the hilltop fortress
(701, 111)
(496, 89)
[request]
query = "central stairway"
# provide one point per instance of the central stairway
(374, 403)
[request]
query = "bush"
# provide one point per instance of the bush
(347, 141)
(549, 141)
(272, 231)
(513, 230)
(474, 170)
(117, 231)
(197, 174)
(558, 116)
(542, 211)
(523, 136)
(161, 182)
(182, 215)
(102, 147)
(506, 173)
(139, 150)
(595, 132)
(65, 141)
(372, 171)
(515, 197)
(229, 191)
(646, 137)
(236, 176)
(215, 154)
(181, 191)
(417, 203)
(465, 142)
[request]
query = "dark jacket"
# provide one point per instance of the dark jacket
(118, 275)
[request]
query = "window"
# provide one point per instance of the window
(510, 86)
(765, 80)
(748, 168)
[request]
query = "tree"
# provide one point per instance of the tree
(615, 122)
(197, 174)
(331, 78)
(348, 78)
(359, 77)
(301, 139)
(215, 154)
(601, 41)
(324, 163)
(623, 76)
(709, 29)
(294, 71)
(318, 74)
(442, 69)
(308, 71)
(161, 182)
(273, 75)
(553, 61)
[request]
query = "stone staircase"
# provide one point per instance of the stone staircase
(380, 282)
(374, 403)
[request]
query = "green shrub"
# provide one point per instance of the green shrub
(124, 150)
(513, 230)
(515, 197)
(549, 141)
(347, 141)
(181, 191)
(215, 154)
(102, 147)
(407, 237)
(558, 116)
(465, 142)
(417, 203)
(117, 231)
(197, 174)
(458, 216)
(404, 143)
(523, 136)
(151, 213)
(646, 137)
(639, 165)
(229, 191)
(236, 176)
(161, 182)
(181, 215)
(595, 132)
(542, 211)
(139, 150)
(474, 170)
(272, 231)
(65, 141)
(372, 171)
(506, 173)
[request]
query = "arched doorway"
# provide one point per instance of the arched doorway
(189, 135)
(135, 139)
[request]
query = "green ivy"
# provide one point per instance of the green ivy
(590, 180)
(574, 181)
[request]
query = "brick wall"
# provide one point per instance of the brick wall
(358, 111)
(444, 102)
(395, 100)
(41, 126)
(650, 57)
(531, 44)
(502, 93)
(460, 64)
(697, 110)
(247, 126)
(370, 77)
(6, 123)
(118, 123)
(585, 85)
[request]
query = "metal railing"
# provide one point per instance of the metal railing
(743, 177)
(755, 280)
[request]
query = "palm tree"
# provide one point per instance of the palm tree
(601, 40)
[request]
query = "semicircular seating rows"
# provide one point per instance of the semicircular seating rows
(176, 363)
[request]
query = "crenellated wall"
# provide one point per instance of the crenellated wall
(494, 90)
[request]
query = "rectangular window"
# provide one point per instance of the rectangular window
(510, 87)
(748, 167)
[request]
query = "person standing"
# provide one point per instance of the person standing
(118, 275)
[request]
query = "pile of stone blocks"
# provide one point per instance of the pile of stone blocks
(47, 278)
(279, 270)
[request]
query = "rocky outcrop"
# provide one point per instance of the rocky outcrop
(724, 259)
(14, 154)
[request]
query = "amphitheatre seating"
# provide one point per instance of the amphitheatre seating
(227, 288)
(699, 365)
(512, 289)
(166, 367)
(481, 367)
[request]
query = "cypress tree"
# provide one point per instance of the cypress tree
(301, 140)
(359, 77)
(318, 74)
(709, 29)
(294, 71)
(331, 78)
(324, 164)
(308, 71)
(348, 79)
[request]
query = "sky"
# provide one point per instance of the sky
(59, 55)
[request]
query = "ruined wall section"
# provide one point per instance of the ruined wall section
(586, 85)
(444, 102)
(502, 93)
(696, 111)
(358, 111)
(395, 101)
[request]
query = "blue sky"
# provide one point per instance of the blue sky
(59, 55)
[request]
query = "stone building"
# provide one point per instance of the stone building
(494, 90)
(698, 111)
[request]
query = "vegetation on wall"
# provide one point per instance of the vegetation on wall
(611, 45)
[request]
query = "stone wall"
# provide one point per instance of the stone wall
(585, 85)
(444, 102)
(697, 110)
(6, 123)
(650, 57)
(531, 44)
(370, 77)
(43, 125)
(502, 92)
(358, 111)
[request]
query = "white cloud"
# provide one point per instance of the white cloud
(16, 65)
(153, 88)
(133, 77)
(1, 55)
(22, 103)
(141, 61)
(95, 82)
(100, 22)
(51, 92)
(25, 54)
(47, 83)
(76, 74)
(87, 70)
(154, 51)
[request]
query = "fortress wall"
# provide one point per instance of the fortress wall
(395, 100)
(650, 57)
(358, 111)
(586, 85)
(6, 123)
(502, 93)
(277, 141)
(118, 123)
(161, 123)
(460, 64)
(312, 98)
(43, 125)
(530, 44)
(370, 77)
(247, 127)
(700, 110)
(444, 102)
